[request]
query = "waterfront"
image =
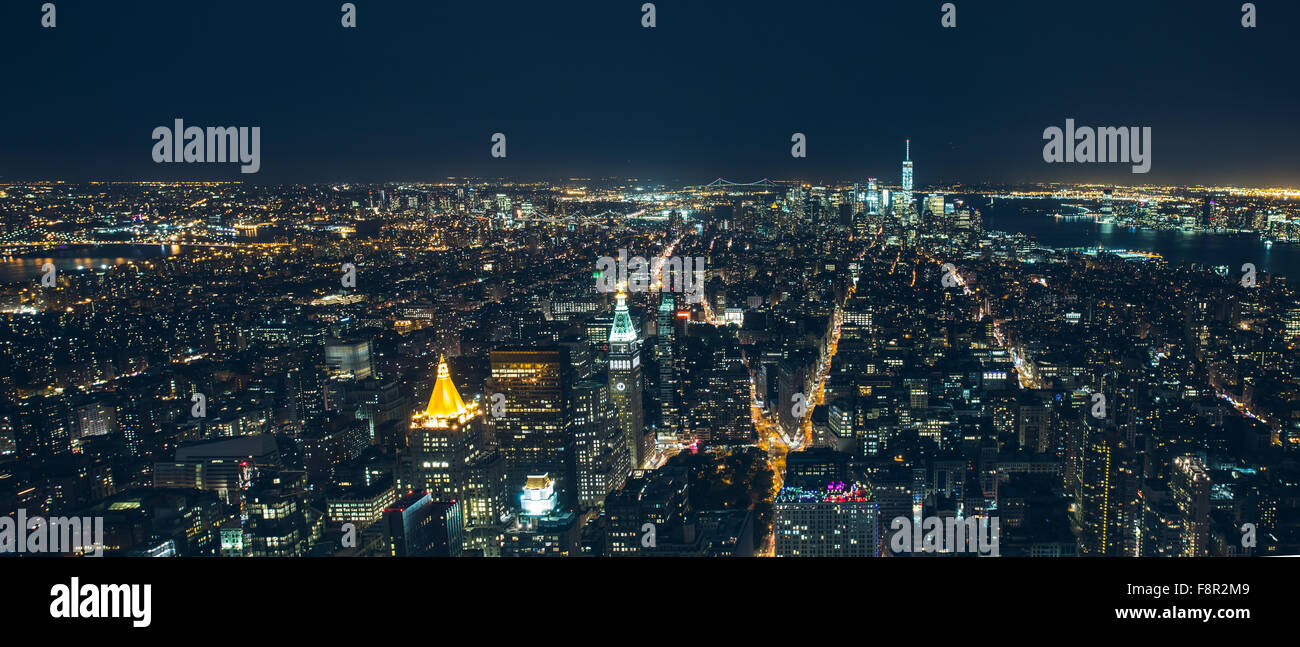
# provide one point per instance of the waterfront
(1176, 246)
(78, 258)
(1032, 218)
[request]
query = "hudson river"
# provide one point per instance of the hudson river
(1032, 217)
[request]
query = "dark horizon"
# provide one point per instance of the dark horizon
(415, 92)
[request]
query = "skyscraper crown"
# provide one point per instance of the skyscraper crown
(445, 401)
(622, 331)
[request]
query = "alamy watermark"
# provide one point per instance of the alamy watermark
(1103, 144)
(77, 600)
(977, 534)
(673, 274)
(215, 144)
(77, 535)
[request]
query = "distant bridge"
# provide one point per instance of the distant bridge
(765, 183)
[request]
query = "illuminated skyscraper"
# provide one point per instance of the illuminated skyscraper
(538, 497)
(448, 455)
(905, 195)
(541, 529)
(1189, 483)
(602, 461)
(664, 355)
(440, 441)
(934, 205)
(625, 384)
(1108, 491)
(534, 430)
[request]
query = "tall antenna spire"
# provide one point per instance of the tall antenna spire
(909, 150)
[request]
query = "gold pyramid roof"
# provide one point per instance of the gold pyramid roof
(445, 401)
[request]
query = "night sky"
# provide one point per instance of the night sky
(716, 89)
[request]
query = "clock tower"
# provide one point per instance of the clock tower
(625, 384)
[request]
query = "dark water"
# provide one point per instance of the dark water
(78, 258)
(1177, 247)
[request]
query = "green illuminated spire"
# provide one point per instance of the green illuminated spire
(622, 331)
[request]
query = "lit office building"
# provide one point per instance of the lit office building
(534, 430)
(1189, 485)
(440, 441)
(934, 206)
(277, 517)
(664, 356)
(95, 418)
(1291, 323)
(40, 427)
(538, 498)
(226, 466)
(349, 358)
(625, 384)
(541, 529)
(602, 461)
(905, 195)
(418, 526)
(362, 505)
(1108, 492)
(448, 455)
(838, 520)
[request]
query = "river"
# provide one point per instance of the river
(1033, 218)
(78, 258)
